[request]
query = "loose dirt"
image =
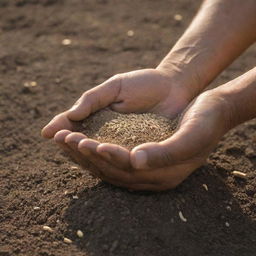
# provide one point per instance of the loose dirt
(40, 187)
(128, 130)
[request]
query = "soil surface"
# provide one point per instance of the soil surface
(40, 186)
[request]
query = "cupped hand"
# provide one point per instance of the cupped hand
(156, 166)
(148, 90)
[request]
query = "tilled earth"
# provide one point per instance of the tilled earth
(40, 186)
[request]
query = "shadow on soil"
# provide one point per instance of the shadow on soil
(117, 222)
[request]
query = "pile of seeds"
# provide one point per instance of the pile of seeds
(128, 130)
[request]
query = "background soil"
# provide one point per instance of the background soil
(34, 173)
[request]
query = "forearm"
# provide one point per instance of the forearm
(219, 33)
(239, 95)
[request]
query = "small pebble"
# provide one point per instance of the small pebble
(66, 41)
(178, 17)
(47, 228)
(238, 174)
(80, 234)
(182, 217)
(67, 240)
(227, 224)
(130, 33)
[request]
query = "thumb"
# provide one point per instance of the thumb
(95, 99)
(185, 144)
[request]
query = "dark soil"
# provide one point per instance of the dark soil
(34, 173)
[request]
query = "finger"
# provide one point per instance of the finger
(96, 98)
(115, 154)
(59, 122)
(188, 142)
(71, 141)
(59, 138)
(88, 148)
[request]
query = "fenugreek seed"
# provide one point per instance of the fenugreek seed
(67, 240)
(130, 33)
(182, 217)
(33, 83)
(177, 17)
(66, 41)
(47, 228)
(36, 208)
(73, 167)
(238, 174)
(205, 187)
(80, 234)
(75, 197)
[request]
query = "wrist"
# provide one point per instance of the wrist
(238, 98)
(182, 64)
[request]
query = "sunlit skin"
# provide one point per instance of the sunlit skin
(173, 87)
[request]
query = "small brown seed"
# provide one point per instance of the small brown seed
(205, 187)
(67, 240)
(130, 33)
(66, 41)
(182, 217)
(47, 228)
(80, 234)
(178, 17)
(238, 174)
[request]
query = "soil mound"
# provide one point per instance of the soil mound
(128, 130)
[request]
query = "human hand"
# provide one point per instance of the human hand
(156, 166)
(148, 90)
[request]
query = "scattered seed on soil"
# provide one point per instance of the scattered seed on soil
(130, 33)
(47, 228)
(67, 240)
(205, 187)
(36, 208)
(128, 130)
(80, 234)
(227, 224)
(178, 17)
(75, 197)
(238, 174)
(30, 84)
(73, 167)
(182, 217)
(66, 41)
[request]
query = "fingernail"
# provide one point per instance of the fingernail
(140, 157)
(106, 155)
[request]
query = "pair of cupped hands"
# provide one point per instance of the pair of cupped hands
(150, 166)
